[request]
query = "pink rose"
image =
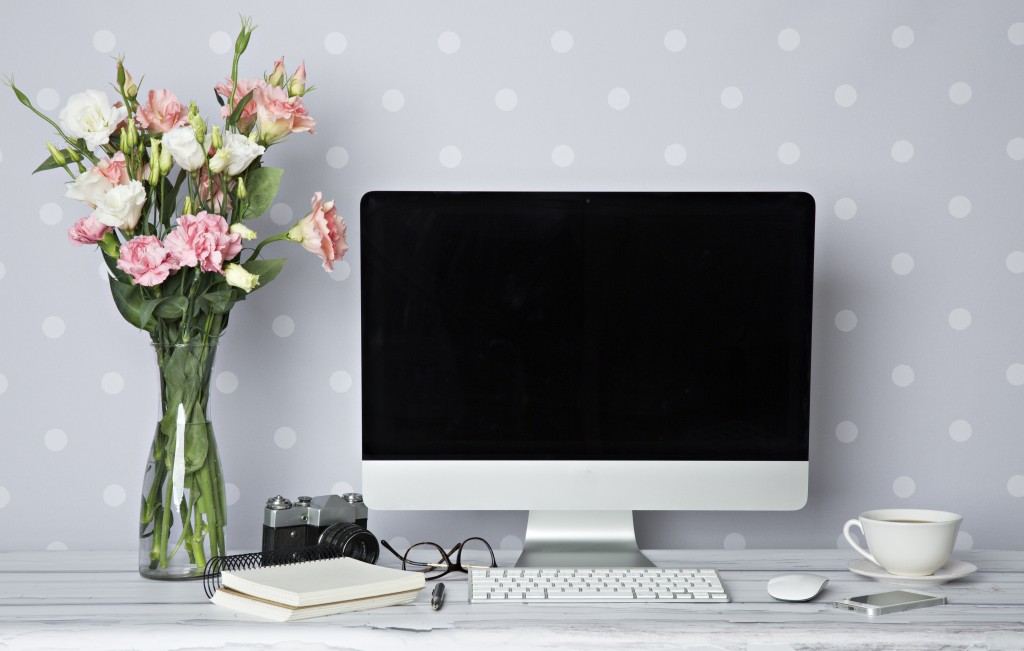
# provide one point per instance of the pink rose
(278, 115)
(91, 186)
(162, 113)
(146, 260)
(211, 191)
(203, 240)
(113, 169)
(248, 115)
(87, 230)
(322, 232)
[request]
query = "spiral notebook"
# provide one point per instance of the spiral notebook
(314, 588)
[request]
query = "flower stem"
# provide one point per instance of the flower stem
(259, 247)
(184, 494)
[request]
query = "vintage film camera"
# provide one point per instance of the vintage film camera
(336, 521)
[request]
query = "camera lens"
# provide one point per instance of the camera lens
(353, 541)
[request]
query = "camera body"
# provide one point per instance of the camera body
(326, 519)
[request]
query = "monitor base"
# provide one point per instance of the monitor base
(569, 539)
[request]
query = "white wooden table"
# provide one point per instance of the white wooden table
(97, 600)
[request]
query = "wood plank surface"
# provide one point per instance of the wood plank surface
(85, 600)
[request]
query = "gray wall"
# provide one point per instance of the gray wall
(904, 119)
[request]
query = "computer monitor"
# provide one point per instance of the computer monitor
(582, 355)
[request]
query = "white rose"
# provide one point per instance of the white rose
(90, 115)
(121, 206)
(90, 187)
(183, 147)
(235, 154)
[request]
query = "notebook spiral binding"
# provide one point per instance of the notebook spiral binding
(217, 564)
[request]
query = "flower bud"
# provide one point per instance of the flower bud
(154, 163)
(132, 135)
(186, 208)
(242, 192)
(218, 141)
(123, 141)
(199, 126)
(236, 276)
(74, 155)
(219, 161)
(166, 162)
(297, 84)
(125, 82)
(277, 77)
(55, 154)
(242, 230)
(110, 245)
(242, 41)
(131, 89)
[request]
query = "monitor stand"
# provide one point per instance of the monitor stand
(581, 539)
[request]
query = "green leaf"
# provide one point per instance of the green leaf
(182, 379)
(197, 441)
(131, 304)
(267, 270)
(171, 307)
(220, 301)
(50, 164)
(239, 107)
(146, 309)
(261, 184)
(117, 274)
(173, 285)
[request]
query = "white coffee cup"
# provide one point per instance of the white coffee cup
(906, 542)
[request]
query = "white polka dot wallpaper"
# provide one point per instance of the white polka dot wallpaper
(904, 119)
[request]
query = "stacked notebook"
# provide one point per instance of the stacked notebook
(303, 590)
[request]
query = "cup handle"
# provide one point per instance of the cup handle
(846, 533)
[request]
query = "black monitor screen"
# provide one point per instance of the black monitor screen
(586, 325)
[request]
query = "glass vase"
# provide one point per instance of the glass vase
(181, 522)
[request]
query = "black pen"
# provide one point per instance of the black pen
(437, 596)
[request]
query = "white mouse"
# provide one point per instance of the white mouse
(796, 587)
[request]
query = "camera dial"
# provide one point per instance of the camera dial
(278, 503)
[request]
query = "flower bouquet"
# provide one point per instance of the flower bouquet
(169, 199)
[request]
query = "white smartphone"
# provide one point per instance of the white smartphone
(889, 602)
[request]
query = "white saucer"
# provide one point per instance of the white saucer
(948, 572)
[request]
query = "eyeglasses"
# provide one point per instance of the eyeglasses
(476, 551)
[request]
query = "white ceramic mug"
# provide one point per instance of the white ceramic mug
(907, 542)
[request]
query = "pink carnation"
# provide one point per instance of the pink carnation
(322, 232)
(203, 240)
(146, 260)
(278, 114)
(162, 113)
(87, 230)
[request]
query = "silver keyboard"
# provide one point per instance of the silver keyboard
(650, 584)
